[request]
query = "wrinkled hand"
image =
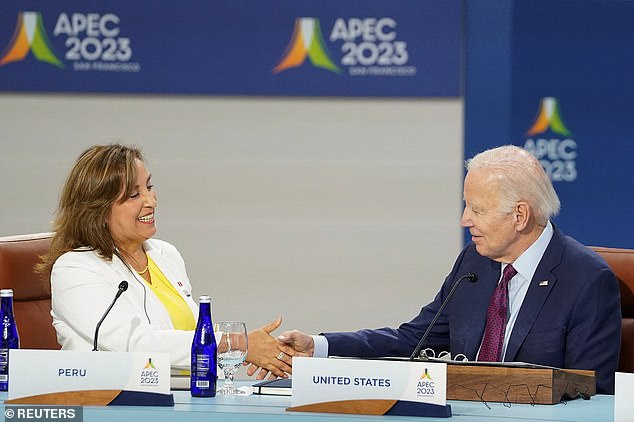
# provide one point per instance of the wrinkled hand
(267, 354)
(303, 344)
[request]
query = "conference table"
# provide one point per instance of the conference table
(265, 408)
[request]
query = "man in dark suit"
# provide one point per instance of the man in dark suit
(541, 297)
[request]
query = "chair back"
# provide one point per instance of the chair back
(621, 261)
(31, 291)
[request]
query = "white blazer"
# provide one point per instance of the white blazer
(83, 285)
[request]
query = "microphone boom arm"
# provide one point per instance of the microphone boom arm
(123, 286)
(473, 278)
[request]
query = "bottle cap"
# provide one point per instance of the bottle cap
(6, 293)
(205, 299)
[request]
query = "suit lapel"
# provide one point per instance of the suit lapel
(540, 287)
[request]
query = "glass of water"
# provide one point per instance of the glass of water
(232, 350)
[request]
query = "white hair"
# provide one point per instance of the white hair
(521, 178)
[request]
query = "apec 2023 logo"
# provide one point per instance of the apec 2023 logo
(552, 143)
(92, 42)
(369, 47)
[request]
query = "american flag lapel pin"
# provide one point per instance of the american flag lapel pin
(543, 283)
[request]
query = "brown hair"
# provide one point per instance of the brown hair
(96, 181)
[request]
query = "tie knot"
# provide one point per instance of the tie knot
(509, 273)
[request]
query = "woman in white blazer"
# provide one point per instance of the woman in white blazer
(103, 229)
(83, 285)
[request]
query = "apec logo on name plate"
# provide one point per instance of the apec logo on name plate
(150, 375)
(71, 40)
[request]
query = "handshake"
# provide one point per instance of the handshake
(271, 357)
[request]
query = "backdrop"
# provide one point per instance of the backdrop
(237, 47)
(556, 78)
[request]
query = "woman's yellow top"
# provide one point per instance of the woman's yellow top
(180, 313)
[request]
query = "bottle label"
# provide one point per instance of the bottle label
(202, 370)
(4, 369)
(4, 361)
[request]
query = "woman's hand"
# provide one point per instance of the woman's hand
(267, 354)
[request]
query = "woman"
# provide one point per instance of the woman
(103, 229)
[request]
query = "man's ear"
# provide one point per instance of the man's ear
(522, 215)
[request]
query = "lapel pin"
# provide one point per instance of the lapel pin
(543, 283)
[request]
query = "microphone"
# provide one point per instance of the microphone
(123, 286)
(472, 277)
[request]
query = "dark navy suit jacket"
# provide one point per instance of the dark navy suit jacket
(573, 321)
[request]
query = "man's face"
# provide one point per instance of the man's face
(493, 231)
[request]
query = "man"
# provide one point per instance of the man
(541, 297)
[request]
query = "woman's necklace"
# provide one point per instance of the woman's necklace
(136, 262)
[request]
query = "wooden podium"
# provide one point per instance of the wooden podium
(514, 384)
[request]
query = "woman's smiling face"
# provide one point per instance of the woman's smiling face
(131, 222)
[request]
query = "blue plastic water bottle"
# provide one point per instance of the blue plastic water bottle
(204, 353)
(9, 338)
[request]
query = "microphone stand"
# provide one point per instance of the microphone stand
(123, 286)
(472, 278)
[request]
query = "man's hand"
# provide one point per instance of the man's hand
(303, 344)
(267, 354)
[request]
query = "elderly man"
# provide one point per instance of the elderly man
(541, 297)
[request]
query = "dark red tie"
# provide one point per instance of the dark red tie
(491, 350)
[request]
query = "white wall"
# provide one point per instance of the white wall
(336, 214)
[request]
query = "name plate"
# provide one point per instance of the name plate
(89, 378)
(369, 386)
(623, 390)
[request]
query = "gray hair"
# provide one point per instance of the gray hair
(521, 178)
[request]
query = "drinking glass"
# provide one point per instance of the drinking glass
(232, 350)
